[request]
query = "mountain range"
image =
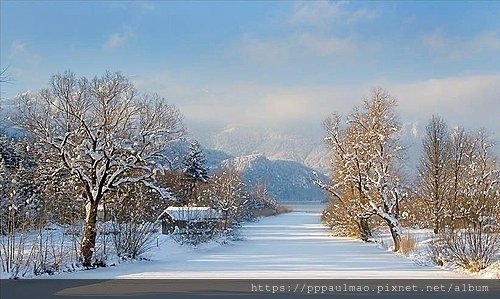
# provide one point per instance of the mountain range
(286, 180)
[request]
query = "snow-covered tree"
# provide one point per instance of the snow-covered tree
(194, 164)
(480, 190)
(470, 238)
(104, 133)
(195, 171)
(460, 145)
(364, 168)
(4, 78)
(18, 182)
(458, 176)
(261, 199)
(228, 195)
(434, 176)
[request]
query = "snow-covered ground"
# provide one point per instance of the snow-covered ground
(421, 254)
(293, 245)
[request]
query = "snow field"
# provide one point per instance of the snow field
(293, 245)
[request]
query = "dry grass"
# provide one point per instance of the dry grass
(266, 212)
(263, 212)
(281, 209)
(408, 244)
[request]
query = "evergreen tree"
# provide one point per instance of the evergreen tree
(194, 164)
(195, 171)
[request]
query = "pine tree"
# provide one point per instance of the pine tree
(194, 165)
(195, 172)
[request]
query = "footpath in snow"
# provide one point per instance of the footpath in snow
(293, 245)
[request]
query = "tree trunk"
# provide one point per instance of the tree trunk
(226, 216)
(364, 229)
(89, 233)
(436, 226)
(395, 233)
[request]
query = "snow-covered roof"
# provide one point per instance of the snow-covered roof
(190, 213)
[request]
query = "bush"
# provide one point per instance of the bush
(194, 234)
(340, 222)
(408, 244)
(133, 239)
(281, 209)
(472, 248)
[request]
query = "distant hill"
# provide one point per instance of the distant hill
(286, 180)
(306, 148)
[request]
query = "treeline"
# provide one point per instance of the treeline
(456, 193)
(91, 176)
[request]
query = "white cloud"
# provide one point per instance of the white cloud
(18, 47)
(470, 101)
(322, 13)
(325, 45)
(118, 40)
(279, 50)
(309, 34)
(455, 48)
(20, 50)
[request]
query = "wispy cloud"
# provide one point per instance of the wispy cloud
(136, 6)
(462, 100)
(20, 50)
(454, 48)
(18, 47)
(146, 5)
(120, 39)
(282, 49)
(320, 13)
(308, 34)
(325, 45)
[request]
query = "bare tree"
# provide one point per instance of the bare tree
(481, 190)
(365, 152)
(433, 171)
(104, 133)
(459, 178)
(459, 146)
(4, 76)
(228, 195)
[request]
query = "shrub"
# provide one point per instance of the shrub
(194, 234)
(341, 223)
(281, 209)
(133, 239)
(408, 243)
(472, 248)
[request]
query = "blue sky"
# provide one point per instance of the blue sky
(278, 63)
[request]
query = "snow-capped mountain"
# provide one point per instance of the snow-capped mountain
(237, 140)
(286, 180)
(305, 147)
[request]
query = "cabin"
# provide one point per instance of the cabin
(184, 218)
